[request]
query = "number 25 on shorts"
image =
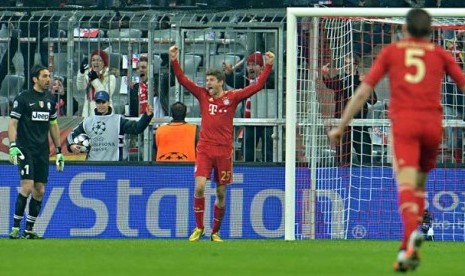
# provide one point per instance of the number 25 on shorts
(226, 175)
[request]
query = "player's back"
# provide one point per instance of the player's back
(416, 68)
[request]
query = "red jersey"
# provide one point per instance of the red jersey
(217, 114)
(416, 68)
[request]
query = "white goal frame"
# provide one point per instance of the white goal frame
(291, 88)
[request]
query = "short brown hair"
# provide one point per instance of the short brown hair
(419, 23)
(178, 111)
(219, 74)
(143, 59)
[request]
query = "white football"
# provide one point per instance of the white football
(84, 141)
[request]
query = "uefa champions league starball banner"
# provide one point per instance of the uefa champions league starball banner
(155, 201)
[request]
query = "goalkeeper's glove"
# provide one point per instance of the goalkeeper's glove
(15, 152)
(60, 159)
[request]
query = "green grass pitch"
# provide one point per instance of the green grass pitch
(233, 257)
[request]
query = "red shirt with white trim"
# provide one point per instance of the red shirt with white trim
(416, 68)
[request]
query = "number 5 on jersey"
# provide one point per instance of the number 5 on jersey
(413, 57)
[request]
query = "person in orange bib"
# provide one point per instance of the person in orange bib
(182, 148)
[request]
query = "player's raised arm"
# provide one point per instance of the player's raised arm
(183, 80)
(269, 56)
(173, 51)
(261, 80)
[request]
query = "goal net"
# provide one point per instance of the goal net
(348, 191)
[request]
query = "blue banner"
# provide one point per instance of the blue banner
(155, 201)
(108, 201)
(361, 203)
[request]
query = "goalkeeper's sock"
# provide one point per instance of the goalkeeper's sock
(20, 206)
(408, 209)
(199, 209)
(420, 198)
(218, 215)
(34, 209)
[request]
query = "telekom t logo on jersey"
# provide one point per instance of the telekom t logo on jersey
(212, 109)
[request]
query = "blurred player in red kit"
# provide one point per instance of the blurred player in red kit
(416, 68)
(215, 147)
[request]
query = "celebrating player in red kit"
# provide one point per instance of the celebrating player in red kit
(416, 68)
(215, 147)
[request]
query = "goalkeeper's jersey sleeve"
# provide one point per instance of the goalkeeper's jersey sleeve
(34, 111)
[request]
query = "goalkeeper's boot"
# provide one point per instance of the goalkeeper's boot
(196, 234)
(401, 264)
(413, 249)
(31, 235)
(215, 237)
(15, 233)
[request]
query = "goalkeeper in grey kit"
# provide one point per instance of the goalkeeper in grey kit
(33, 116)
(106, 131)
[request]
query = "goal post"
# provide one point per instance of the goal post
(349, 192)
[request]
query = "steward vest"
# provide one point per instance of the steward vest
(103, 131)
(176, 142)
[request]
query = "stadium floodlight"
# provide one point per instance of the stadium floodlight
(325, 197)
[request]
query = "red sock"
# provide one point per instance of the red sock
(420, 198)
(218, 215)
(199, 208)
(408, 208)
